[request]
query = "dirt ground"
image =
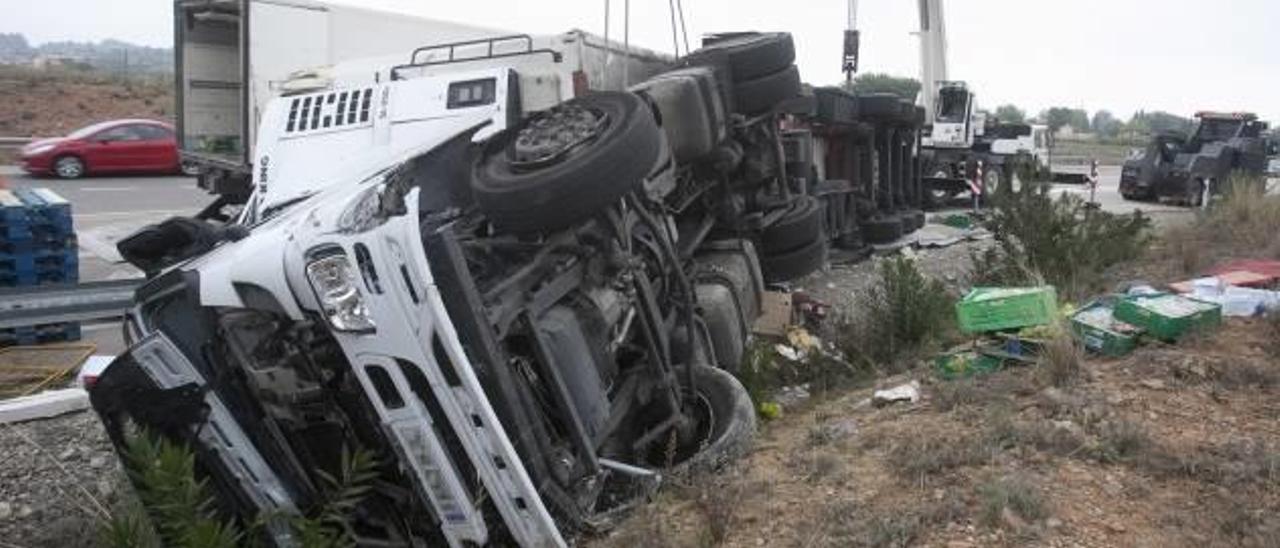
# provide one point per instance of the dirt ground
(33, 103)
(1171, 446)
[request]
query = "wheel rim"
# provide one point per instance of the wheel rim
(991, 181)
(549, 138)
(69, 167)
(190, 169)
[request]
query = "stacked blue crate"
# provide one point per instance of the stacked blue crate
(37, 247)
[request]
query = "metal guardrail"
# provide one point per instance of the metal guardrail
(85, 302)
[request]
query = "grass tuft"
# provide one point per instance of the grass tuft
(1012, 493)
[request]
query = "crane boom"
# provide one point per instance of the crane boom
(933, 53)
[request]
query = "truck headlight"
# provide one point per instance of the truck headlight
(334, 282)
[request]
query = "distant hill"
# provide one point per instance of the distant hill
(107, 55)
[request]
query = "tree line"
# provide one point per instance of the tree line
(1102, 123)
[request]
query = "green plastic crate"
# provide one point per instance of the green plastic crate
(998, 308)
(1168, 317)
(1096, 327)
(962, 365)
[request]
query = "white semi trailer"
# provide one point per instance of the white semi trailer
(233, 56)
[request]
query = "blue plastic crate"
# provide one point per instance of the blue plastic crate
(34, 213)
(39, 268)
(40, 334)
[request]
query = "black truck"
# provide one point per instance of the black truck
(1182, 169)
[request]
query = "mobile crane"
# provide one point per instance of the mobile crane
(955, 137)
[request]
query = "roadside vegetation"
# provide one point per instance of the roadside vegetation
(1242, 223)
(1168, 444)
(180, 508)
(1059, 241)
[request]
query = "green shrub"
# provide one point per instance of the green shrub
(183, 512)
(903, 312)
(1061, 239)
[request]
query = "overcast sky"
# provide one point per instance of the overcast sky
(1122, 55)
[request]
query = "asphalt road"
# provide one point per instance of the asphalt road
(1107, 195)
(108, 208)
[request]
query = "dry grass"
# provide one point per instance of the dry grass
(1241, 224)
(1060, 358)
(1012, 494)
(919, 457)
(718, 501)
(1272, 343)
(845, 524)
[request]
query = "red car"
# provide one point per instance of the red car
(133, 146)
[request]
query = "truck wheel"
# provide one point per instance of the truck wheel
(879, 105)
(68, 167)
(882, 230)
(567, 164)
(993, 182)
(1194, 194)
(794, 264)
(801, 225)
(935, 198)
(190, 169)
(748, 56)
(725, 423)
(913, 220)
(762, 94)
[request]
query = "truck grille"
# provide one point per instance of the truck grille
(329, 110)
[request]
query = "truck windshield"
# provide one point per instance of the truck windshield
(1217, 130)
(953, 105)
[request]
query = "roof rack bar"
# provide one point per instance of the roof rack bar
(489, 43)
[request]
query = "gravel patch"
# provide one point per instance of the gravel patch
(841, 286)
(58, 478)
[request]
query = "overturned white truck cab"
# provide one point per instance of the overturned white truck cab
(525, 317)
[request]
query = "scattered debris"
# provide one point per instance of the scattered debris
(775, 314)
(1167, 317)
(986, 309)
(909, 392)
(965, 364)
(26, 370)
(802, 340)
(789, 352)
(791, 396)
(1098, 330)
(43, 405)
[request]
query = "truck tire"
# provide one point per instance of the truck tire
(885, 106)
(913, 220)
(570, 181)
(762, 94)
(748, 56)
(794, 264)
(882, 230)
(1193, 193)
(801, 225)
(724, 408)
